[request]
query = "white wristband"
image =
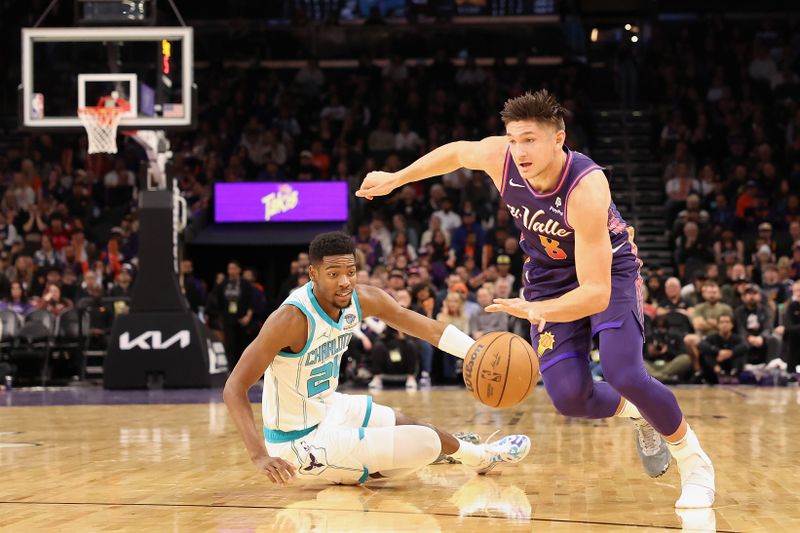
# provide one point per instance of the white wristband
(455, 342)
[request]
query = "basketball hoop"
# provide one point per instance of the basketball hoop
(101, 124)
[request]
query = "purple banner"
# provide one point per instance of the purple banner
(280, 202)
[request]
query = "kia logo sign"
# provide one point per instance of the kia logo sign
(151, 340)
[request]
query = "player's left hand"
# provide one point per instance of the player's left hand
(519, 308)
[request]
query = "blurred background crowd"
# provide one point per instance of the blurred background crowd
(725, 127)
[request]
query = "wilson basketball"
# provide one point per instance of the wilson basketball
(501, 369)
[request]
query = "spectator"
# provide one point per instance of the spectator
(192, 288)
(435, 226)
(728, 249)
(52, 301)
(468, 238)
(8, 232)
(449, 218)
(704, 319)
(453, 313)
(46, 256)
(756, 321)
(678, 189)
(400, 225)
(482, 322)
(692, 252)
(790, 329)
(665, 353)
(235, 298)
(401, 246)
(723, 352)
(796, 261)
(17, 301)
(772, 287)
(394, 351)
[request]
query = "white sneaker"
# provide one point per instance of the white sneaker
(411, 383)
(509, 449)
(376, 383)
(697, 474)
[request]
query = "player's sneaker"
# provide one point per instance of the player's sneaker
(509, 449)
(652, 448)
(467, 436)
(697, 474)
(376, 383)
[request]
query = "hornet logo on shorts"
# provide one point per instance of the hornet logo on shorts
(546, 342)
(311, 465)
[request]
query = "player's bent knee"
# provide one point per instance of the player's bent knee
(629, 382)
(573, 405)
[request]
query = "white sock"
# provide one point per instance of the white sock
(468, 453)
(628, 410)
(685, 447)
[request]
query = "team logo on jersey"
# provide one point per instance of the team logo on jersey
(558, 201)
(349, 319)
(546, 342)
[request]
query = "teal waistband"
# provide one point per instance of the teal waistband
(277, 436)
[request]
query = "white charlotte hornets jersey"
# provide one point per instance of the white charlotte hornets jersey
(297, 387)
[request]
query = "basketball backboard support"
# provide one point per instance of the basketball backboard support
(64, 69)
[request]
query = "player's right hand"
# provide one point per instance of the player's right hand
(378, 183)
(276, 469)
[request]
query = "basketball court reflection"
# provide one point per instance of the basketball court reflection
(332, 511)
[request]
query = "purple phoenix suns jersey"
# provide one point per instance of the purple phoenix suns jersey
(549, 241)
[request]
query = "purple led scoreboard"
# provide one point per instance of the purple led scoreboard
(280, 202)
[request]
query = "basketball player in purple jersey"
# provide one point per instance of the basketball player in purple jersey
(581, 280)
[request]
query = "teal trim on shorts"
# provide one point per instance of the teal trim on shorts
(368, 413)
(276, 436)
(364, 476)
(311, 327)
(360, 433)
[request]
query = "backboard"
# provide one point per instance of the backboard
(64, 69)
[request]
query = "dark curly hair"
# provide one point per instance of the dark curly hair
(331, 243)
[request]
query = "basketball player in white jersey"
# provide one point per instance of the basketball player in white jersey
(313, 432)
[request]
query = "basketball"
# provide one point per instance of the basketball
(501, 369)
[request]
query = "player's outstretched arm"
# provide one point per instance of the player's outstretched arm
(448, 338)
(588, 215)
(486, 155)
(286, 327)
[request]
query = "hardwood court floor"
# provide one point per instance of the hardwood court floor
(182, 468)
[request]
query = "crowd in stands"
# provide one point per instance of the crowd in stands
(727, 128)
(726, 125)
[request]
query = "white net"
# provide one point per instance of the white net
(101, 127)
